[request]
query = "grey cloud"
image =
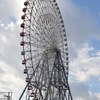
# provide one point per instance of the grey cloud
(80, 27)
(80, 90)
(9, 8)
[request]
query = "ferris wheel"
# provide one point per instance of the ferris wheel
(45, 51)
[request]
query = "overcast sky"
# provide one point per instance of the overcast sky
(82, 22)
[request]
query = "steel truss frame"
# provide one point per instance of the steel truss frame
(5, 95)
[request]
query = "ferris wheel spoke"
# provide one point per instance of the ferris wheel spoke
(34, 44)
(58, 35)
(39, 26)
(41, 39)
(36, 40)
(35, 50)
(48, 37)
